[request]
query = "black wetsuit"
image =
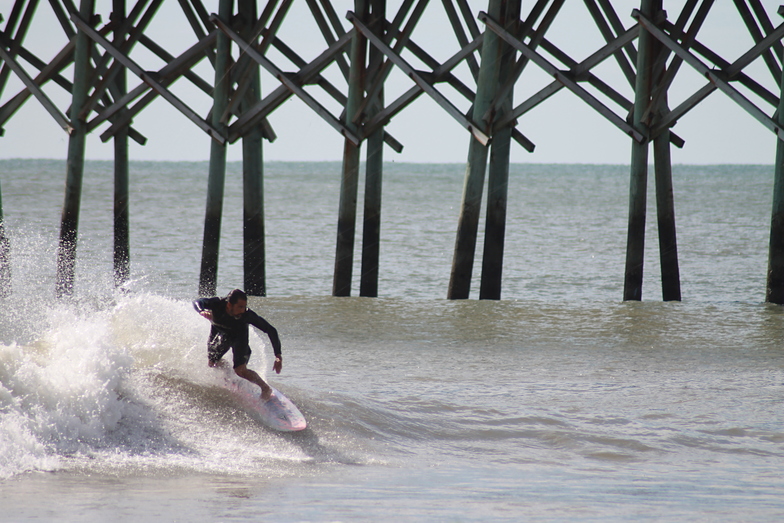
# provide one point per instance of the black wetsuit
(230, 332)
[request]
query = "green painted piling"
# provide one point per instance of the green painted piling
(254, 251)
(66, 253)
(349, 183)
(374, 167)
(638, 185)
(468, 222)
(217, 173)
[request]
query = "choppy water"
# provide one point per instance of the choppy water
(559, 402)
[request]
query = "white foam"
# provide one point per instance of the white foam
(127, 384)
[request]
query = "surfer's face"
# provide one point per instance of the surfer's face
(236, 309)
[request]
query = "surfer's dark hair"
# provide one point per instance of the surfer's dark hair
(236, 295)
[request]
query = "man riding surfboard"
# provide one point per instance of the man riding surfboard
(230, 317)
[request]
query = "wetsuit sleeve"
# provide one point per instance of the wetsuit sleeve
(265, 326)
(205, 304)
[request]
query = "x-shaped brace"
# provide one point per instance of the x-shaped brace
(718, 79)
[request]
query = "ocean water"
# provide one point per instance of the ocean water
(558, 403)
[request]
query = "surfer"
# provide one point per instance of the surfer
(230, 317)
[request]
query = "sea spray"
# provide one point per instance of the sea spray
(61, 393)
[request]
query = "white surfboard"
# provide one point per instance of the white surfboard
(278, 412)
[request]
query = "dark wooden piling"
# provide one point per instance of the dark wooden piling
(254, 260)
(349, 183)
(498, 173)
(638, 185)
(217, 171)
(468, 222)
(491, 120)
(775, 282)
(5, 256)
(122, 263)
(665, 211)
(374, 167)
(66, 254)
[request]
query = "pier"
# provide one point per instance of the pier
(102, 64)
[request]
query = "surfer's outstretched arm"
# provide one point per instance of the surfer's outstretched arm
(244, 372)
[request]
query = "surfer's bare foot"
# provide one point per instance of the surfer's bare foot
(266, 393)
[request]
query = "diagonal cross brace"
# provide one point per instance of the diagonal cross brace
(439, 72)
(306, 76)
(47, 72)
(577, 71)
(404, 66)
(731, 71)
(285, 80)
(32, 86)
(714, 78)
(166, 75)
(563, 78)
(154, 84)
(272, 101)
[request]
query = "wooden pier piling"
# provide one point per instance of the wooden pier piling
(648, 51)
(638, 184)
(349, 182)
(122, 250)
(665, 212)
(217, 171)
(468, 222)
(66, 254)
(5, 256)
(254, 252)
(374, 166)
(498, 171)
(775, 282)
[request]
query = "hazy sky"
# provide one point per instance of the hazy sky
(564, 129)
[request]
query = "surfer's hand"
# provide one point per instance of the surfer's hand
(206, 314)
(278, 365)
